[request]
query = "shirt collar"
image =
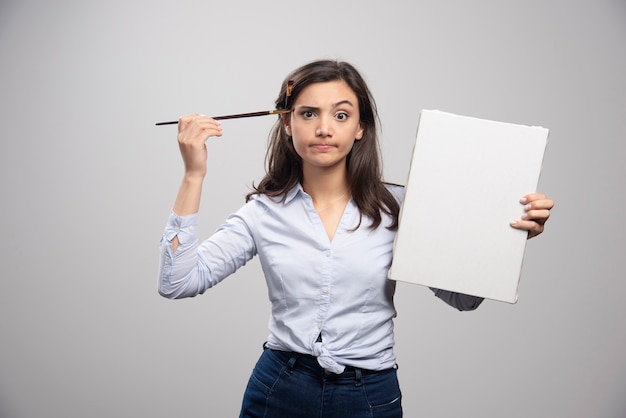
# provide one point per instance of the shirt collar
(291, 194)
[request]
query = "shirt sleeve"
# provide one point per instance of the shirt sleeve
(460, 301)
(196, 267)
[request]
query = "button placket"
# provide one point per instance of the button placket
(323, 296)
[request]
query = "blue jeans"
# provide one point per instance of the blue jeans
(291, 385)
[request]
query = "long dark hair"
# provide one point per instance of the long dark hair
(284, 165)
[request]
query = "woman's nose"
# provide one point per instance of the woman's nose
(323, 129)
(321, 132)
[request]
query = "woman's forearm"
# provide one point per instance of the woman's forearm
(187, 200)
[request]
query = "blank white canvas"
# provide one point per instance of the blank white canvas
(465, 181)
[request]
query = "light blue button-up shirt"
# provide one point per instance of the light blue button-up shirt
(337, 290)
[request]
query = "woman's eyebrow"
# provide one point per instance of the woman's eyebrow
(333, 105)
(343, 102)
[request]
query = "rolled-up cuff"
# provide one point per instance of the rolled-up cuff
(184, 227)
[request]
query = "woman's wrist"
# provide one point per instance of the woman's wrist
(192, 177)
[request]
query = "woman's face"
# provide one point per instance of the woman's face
(324, 124)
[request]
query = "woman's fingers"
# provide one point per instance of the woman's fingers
(537, 211)
(193, 132)
(196, 127)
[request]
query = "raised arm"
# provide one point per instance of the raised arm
(181, 273)
(193, 131)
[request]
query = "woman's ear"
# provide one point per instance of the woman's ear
(287, 123)
(359, 132)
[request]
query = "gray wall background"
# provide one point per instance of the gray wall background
(87, 181)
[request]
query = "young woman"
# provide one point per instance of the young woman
(322, 222)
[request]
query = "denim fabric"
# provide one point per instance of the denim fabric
(290, 385)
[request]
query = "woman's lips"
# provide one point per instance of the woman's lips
(322, 147)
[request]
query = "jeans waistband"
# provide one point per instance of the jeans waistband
(308, 363)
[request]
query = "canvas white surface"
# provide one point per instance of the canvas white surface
(466, 178)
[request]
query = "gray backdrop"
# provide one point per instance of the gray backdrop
(87, 181)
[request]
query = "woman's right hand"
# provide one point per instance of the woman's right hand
(193, 131)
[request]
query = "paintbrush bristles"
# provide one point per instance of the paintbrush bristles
(288, 92)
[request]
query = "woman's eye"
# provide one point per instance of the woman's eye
(307, 114)
(342, 116)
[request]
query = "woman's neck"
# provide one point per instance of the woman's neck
(330, 192)
(326, 187)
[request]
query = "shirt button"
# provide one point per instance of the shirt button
(327, 253)
(324, 290)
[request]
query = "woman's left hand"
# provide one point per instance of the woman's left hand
(537, 207)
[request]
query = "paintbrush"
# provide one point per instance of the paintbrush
(249, 115)
(237, 116)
